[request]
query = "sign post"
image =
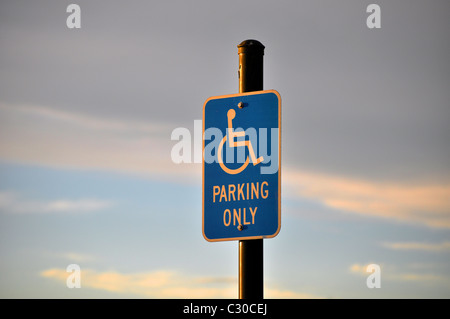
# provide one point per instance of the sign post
(241, 168)
(251, 252)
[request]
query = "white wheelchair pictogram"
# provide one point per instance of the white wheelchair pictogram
(231, 114)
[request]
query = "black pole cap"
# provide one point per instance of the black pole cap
(251, 46)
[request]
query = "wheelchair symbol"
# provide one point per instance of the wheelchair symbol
(231, 114)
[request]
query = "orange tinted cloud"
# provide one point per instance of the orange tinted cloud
(423, 204)
(164, 284)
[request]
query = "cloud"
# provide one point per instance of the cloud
(417, 246)
(163, 284)
(361, 269)
(45, 136)
(393, 274)
(426, 204)
(420, 277)
(82, 120)
(12, 202)
(273, 293)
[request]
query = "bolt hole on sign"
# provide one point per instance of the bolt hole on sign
(242, 166)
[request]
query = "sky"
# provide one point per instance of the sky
(87, 178)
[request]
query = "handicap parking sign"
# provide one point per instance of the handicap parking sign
(241, 166)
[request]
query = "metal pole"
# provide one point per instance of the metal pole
(251, 275)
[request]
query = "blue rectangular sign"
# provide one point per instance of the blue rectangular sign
(241, 166)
